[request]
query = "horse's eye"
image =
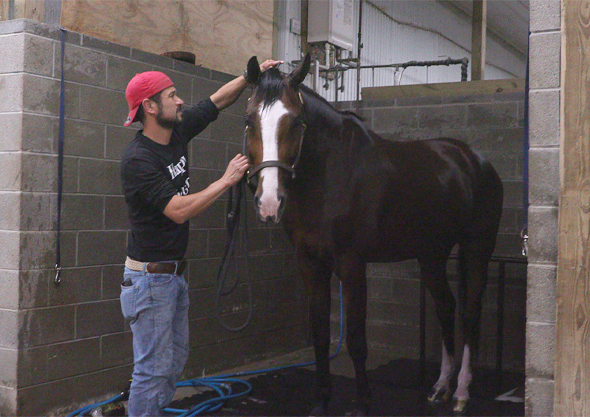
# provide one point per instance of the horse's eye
(248, 120)
(298, 122)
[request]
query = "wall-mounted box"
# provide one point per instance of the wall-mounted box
(331, 21)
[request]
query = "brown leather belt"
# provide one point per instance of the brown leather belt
(173, 267)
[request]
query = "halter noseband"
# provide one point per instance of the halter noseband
(277, 164)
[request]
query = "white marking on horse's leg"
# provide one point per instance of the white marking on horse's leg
(465, 376)
(269, 123)
(447, 369)
(441, 390)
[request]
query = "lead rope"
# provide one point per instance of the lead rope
(234, 212)
(60, 160)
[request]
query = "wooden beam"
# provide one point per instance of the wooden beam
(572, 350)
(478, 39)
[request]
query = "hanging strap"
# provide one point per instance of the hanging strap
(524, 234)
(60, 160)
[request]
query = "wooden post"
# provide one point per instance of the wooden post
(572, 365)
(478, 39)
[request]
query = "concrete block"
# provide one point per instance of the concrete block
(393, 313)
(543, 233)
(116, 217)
(7, 394)
(9, 329)
(10, 253)
(11, 92)
(82, 212)
(10, 208)
(71, 169)
(90, 42)
(38, 55)
(69, 249)
(100, 177)
(83, 66)
(121, 70)
(34, 288)
(494, 115)
(111, 247)
(37, 250)
(117, 139)
(508, 166)
(202, 303)
(208, 154)
(541, 293)
(79, 285)
(544, 118)
(73, 358)
(539, 397)
(540, 350)
(152, 59)
(545, 60)
(544, 176)
(97, 319)
(39, 172)
(39, 133)
(512, 193)
(62, 396)
(222, 77)
(545, 15)
(32, 368)
(13, 53)
(449, 116)
(202, 273)
(212, 218)
(11, 132)
(112, 276)
(228, 128)
(35, 212)
(116, 349)
(379, 289)
(103, 106)
(9, 289)
(198, 243)
(41, 95)
(82, 138)
(395, 120)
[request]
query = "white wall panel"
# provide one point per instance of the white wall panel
(397, 31)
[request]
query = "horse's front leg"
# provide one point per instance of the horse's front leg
(317, 276)
(352, 272)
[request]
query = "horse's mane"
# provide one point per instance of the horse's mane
(317, 110)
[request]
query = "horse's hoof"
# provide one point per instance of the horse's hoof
(318, 411)
(459, 406)
(438, 396)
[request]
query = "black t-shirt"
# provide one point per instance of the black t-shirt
(151, 175)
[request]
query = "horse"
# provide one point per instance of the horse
(346, 197)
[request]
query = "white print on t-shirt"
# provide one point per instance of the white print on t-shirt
(185, 188)
(176, 170)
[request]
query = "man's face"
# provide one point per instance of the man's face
(169, 109)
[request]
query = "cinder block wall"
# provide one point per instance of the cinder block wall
(67, 345)
(493, 125)
(545, 75)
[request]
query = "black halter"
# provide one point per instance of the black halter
(275, 164)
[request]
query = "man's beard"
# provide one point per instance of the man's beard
(168, 123)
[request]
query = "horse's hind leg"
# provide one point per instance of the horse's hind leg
(435, 277)
(352, 272)
(474, 257)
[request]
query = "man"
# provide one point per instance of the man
(155, 177)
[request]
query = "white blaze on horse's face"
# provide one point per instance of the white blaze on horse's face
(270, 200)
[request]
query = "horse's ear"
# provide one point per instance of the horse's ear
(253, 70)
(299, 73)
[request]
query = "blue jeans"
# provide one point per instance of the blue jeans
(156, 306)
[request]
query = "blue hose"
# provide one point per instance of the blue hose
(220, 384)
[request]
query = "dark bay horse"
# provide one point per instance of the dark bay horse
(347, 197)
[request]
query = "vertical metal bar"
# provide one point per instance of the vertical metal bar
(358, 56)
(422, 334)
(500, 323)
